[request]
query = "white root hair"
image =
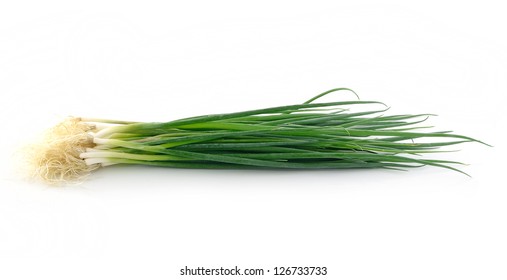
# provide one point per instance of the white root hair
(56, 158)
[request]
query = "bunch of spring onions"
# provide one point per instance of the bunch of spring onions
(311, 135)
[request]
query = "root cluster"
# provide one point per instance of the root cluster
(55, 159)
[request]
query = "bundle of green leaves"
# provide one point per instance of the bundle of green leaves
(311, 135)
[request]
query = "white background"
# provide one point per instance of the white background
(157, 61)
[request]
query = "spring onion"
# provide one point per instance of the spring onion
(310, 135)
